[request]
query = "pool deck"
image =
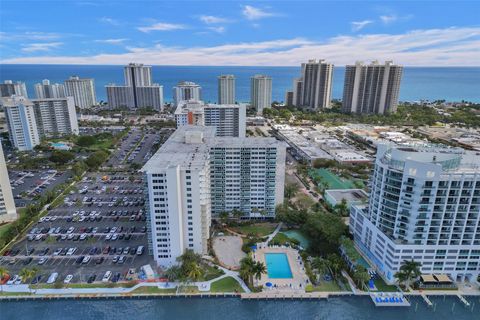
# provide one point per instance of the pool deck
(299, 279)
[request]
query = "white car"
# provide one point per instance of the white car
(68, 278)
(107, 276)
(18, 281)
(86, 260)
(53, 277)
(70, 230)
(12, 280)
(71, 251)
(57, 252)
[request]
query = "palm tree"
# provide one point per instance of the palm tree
(247, 269)
(3, 273)
(410, 270)
(335, 264)
(259, 269)
(342, 208)
(361, 276)
(28, 274)
(320, 264)
(195, 272)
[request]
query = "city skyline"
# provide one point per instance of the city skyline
(250, 33)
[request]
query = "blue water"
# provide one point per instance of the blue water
(345, 308)
(295, 234)
(278, 266)
(449, 83)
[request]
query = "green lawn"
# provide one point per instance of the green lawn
(258, 229)
(153, 290)
(188, 289)
(383, 287)
(227, 284)
(6, 294)
(3, 228)
(327, 286)
(211, 273)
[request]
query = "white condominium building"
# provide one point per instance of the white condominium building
(226, 89)
(178, 178)
(260, 93)
(247, 174)
(229, 120)
(7, 205)
(371, 89)
(82, 90)
(45, 90)
(185, 91)
(22, 127)
(55, 117)
(8, 88)
(424, 205)
(195, 174)
(138, 92)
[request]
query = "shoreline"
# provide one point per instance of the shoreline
(213, 295)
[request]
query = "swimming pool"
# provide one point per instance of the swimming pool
(278, 266)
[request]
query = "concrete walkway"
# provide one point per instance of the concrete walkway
(274, 233)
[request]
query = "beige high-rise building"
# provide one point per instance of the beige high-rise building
(372, 89)
(314, 89)
(82, 91)
(226, 89)
(260, 92)
(8, 211)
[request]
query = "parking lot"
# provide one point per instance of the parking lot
(28, 184)
(100, 227)
(136, 146)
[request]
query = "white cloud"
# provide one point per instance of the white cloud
(359, 25)
(388, 18)
(213, 19)
(29, 35)
(45, 46)
(112, 41)
(218, 29)
(109, 21)
(162, 26)
(431, 47)
(252, 13)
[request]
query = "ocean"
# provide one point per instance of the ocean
(344, 308)
(432, 83)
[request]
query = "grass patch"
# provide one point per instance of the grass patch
(3, 228)
(188, 289)
(227, 284)
(153, 290)
(329, 286)
(383, 287)
(257, 229)
(9, 294)
(211, 273)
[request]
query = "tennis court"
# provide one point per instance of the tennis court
(334, 181)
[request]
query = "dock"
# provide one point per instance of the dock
(427, 301)
(391, 299)
(465, 302)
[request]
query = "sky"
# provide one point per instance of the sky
(239, 33)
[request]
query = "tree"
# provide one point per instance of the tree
(173, 273)
(96, 159)
(334, 263)
(325, 231)
(361, 276)
(291, 190)
(259, 269)
(320, 264)
(409, 270)
(342, 208)
(247, 269)
(86, 141)
(3, 273)
(194, 271)
(237, 213)
(61, 156)
(223, 216)
(28, 274)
